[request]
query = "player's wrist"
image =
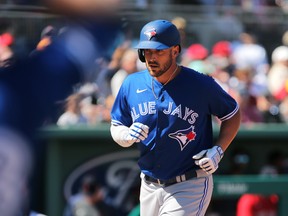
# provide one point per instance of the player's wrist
(120, 135)
(219, 150)
(127, 140)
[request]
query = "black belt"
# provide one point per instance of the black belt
(188, 175)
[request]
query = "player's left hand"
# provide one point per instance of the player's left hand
(209, 159)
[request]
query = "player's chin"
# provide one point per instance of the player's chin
(153, 73)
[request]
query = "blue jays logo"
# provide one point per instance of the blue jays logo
(150, 33)
(184, 136)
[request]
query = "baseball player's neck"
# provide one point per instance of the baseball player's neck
(171, 76)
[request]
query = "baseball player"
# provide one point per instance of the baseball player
(166, 110)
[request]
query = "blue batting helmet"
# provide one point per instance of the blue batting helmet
(158, 34)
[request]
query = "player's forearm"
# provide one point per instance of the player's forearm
(228, 131)
(119, 134)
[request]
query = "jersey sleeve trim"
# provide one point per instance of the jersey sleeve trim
(230, 115)
(115, 122)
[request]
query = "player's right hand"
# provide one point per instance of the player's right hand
(137, 132)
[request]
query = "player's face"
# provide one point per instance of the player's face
(158, 61)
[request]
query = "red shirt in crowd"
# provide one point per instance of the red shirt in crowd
(257, 205)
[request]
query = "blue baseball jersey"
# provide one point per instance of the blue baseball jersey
(179, 116)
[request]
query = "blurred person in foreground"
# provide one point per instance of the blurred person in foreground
(166, 110)
(31, 88)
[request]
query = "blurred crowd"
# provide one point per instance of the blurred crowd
(243, 68)
(258, 81)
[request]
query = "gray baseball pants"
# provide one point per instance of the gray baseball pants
(188, 198)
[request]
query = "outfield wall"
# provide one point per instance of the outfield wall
(73, 152)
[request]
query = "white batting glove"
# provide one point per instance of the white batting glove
(209, 159)
(126, 136)
(137, 132)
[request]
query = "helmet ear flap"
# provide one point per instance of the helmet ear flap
(141, 55)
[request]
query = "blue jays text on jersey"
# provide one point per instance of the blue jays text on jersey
(178, 115)
(150, 108)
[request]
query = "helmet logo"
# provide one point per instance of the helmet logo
(150, 33)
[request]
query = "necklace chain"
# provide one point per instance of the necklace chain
(152, 84)
(171, 76)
